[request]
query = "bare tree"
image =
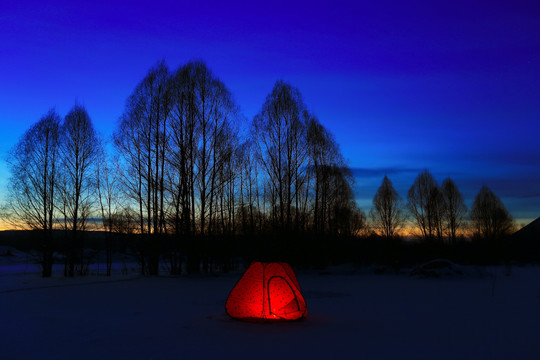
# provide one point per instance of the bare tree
(250, 198)
(124, 221)
(216, 113)
(142, 141)
(455, 209)
(202, 147)
(324, 156)
(330, 184)
(424, 203)
(387, 215)
(279, 131)
(437, 211)
(490, 219)
(307, 184)
(183, 147)
(107, 182)
(79, 152)
(345, 219)
(33, 163)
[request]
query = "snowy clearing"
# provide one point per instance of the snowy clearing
(353, 313)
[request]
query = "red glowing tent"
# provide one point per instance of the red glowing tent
(267, 291)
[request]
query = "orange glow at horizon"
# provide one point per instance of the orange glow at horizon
(409, 230)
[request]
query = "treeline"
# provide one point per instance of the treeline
(187, 182)
(437, 216)
(438, 212)
(186, 170)
(52, 183)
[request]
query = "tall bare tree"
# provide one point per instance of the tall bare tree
(142, 141)
(279, 131)
(388, 215)
(344, 216)
(490, 219)
(327, 171)
(107, 183)
(33, 164)
(202, 144)
(250, 192)
(183, 150)
(79, 152)
(216, 113)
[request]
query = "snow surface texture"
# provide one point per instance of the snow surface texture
(352, 314)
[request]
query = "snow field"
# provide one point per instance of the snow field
(359, 315)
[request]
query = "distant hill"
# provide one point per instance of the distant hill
(527, 243)
(529, 232)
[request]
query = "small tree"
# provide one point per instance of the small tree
(424, 203)
(490, 219)
(455, 209)
(387, 215)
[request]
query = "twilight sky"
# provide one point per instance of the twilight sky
(402, 85)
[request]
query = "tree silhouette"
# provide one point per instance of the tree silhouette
(142, 142)
(79, 149)
(436, 212)
(326, 161)
(455, 209)
(185, 173)
(424, 203)
(34, 164)
(490, 219)
(280, 130)
(388, 215)
(107, 184)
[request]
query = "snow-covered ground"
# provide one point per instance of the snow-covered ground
(353, 313)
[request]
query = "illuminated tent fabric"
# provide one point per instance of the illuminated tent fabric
(267, 291)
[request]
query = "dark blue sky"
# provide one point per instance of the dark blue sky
(403, 85)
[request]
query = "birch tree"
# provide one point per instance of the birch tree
(280, 131)
(79, 153)
(33, 164)
(107, 183)
(142, 141)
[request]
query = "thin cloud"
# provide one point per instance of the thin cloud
(380, 172)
